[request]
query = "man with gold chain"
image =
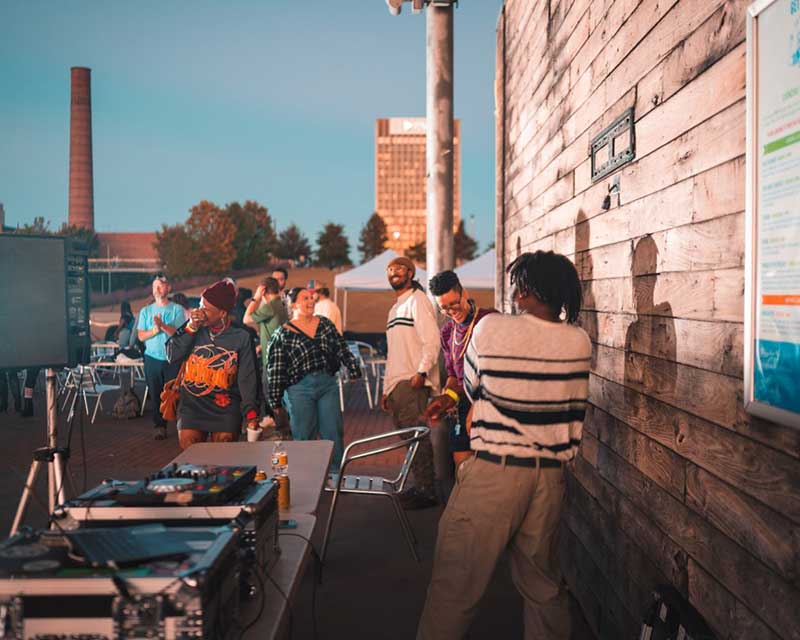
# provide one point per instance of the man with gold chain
(454, 302)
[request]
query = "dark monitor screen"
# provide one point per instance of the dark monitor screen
(33, 301)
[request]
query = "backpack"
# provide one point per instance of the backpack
(126, 406)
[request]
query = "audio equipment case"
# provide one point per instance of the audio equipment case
(46, 595)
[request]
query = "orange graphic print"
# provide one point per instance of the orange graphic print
(209, 369)
(222, 399)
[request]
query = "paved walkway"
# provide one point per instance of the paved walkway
(372, 588)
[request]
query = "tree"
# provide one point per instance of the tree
(333, 248)
(39, 227)
(176, 250)
(87, 237)
(373, 238)
(464, 247)
(292, 244)
(213, 233)
(417, 252)
(255, 236)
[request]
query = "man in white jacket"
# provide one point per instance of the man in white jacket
(412, 371)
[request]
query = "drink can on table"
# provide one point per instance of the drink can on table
(283, 491)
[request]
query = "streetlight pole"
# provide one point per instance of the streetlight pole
(439, 137)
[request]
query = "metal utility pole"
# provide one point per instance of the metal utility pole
(439, 150)
(439, 138)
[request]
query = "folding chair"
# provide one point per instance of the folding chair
(354, 349)
(377, 486)
(88, 386)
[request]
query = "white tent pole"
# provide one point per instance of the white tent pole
(344, 319)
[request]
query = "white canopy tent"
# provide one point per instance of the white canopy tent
(370, 276)
(478, 273)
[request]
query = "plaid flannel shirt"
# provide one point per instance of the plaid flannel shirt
(291, 357)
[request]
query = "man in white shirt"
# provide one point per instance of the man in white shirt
(328, 308)
(412, 371)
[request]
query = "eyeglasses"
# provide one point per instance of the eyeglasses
(453, 306)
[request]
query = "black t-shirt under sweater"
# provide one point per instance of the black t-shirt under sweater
(219, 383)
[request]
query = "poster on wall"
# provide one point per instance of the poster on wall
(772, 283)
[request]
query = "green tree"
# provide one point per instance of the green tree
(213, 233)
(373, 238)
(333, 248)
(176, 250)
(292, 244)
(417, 252)
(39, 227)
(464, 247)
(87, 237)
(255, 236)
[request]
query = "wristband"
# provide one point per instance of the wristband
(454, 395)
(155, 331)
(190, 328)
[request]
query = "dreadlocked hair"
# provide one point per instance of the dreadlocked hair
(552, 278)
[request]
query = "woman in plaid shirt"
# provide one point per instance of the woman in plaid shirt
(303, 358)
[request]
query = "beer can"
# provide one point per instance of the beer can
(283, 491)
(280, 459)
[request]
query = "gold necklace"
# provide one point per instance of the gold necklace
(465, 340)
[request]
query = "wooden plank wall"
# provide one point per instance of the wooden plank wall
(674, 483)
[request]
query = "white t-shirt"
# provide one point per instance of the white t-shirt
(330, 310)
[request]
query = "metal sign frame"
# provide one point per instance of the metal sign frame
(752, 260)
(606, 140)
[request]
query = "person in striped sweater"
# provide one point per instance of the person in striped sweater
(527, 378)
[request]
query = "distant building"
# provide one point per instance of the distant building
(129, 246)
(400, 182)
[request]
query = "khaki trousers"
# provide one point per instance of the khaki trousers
(492, 507)
(407, 405)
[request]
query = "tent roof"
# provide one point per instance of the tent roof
(478, 273)
(371, 276)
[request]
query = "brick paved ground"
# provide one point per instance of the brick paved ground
(372, 587)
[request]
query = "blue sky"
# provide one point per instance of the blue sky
(271, 100)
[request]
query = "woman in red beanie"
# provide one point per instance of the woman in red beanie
(219, 385)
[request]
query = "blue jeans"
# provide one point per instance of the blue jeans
(313, 406)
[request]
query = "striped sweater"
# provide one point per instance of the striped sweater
(412, 340)
(528, 381)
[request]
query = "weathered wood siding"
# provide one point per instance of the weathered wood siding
(675, 483)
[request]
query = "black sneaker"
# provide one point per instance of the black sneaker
(160, 433)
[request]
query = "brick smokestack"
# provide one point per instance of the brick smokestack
(81, 181)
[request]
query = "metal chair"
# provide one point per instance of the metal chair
(354, 349)
(377, 486)
(88, 385)
(371, 353)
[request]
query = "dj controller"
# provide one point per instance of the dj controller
(136, 559)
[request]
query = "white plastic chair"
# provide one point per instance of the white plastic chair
(377, 486)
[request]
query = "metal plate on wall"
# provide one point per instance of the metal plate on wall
(614, 146)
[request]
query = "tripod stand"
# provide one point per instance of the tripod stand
(51, 455)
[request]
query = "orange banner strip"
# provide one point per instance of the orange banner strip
(780, 300)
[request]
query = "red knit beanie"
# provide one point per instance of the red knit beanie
(222, 294)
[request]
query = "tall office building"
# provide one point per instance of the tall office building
(400, 183)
